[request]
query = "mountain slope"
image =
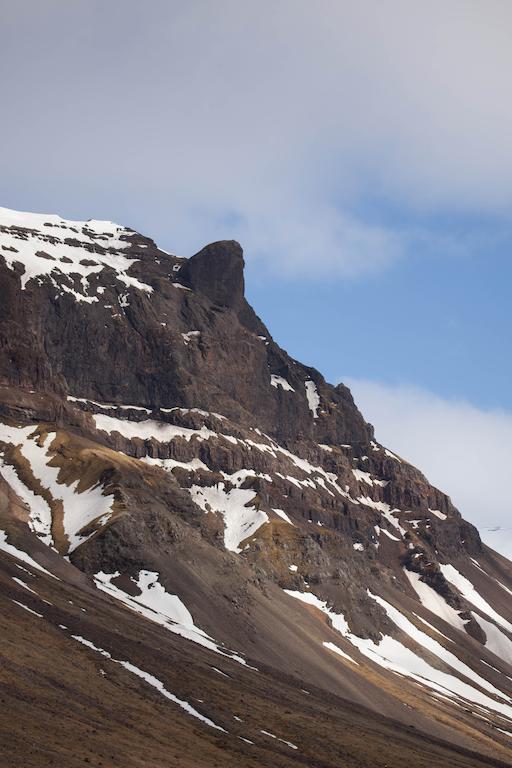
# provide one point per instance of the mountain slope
(219, 505)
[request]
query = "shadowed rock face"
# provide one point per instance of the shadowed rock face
(189, 340)
(217, 272)
(153, 432)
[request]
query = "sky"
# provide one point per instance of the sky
(360, 151)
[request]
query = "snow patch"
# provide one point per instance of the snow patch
(40, 515)
(496, 641)
(367, 478)
(393, 655)
(437, 513)
(273, 736)
(278, 381)
(187, 337)
(161, 607)
(313, 397)
(336, 649)
(21, 605)
(170, 464)
(151, 680)
(20, 555)
(433, 602)
(148, 429)
(80, 508)
(58, 249)
(282, 514)
(469, 592)
(240, 519)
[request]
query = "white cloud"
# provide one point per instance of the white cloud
(314, 242)
(271, 122)
(463, 450)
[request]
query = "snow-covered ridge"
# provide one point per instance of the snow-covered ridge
(102, 230)
(48, 246)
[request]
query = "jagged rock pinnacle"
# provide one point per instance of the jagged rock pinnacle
(217, 272)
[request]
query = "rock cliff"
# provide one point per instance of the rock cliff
(159, 449)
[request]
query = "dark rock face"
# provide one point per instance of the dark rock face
(217, 272)
(231, 470)
(203, 347)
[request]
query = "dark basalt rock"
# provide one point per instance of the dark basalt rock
(473, 628)
(217, 272)
(131, 346)
(236, 416)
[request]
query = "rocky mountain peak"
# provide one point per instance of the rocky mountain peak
(217, 272)
(175, 471)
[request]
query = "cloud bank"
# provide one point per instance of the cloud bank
(463, 450)
(290, 125)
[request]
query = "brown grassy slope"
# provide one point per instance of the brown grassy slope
(63, 704)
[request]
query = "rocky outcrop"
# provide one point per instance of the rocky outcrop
(217, 272)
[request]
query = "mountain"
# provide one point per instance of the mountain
(206, 556)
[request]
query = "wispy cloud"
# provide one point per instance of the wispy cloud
(270, 122)
(463, 450)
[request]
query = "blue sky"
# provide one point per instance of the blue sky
(361, 152)
(443, 323)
